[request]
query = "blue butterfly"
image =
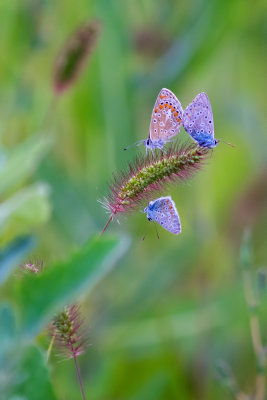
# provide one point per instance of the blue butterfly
(198, 121)
(163, 211)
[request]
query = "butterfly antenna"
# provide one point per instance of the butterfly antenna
(134, 144)
(229, 144)
(143, 238)
(156, 230)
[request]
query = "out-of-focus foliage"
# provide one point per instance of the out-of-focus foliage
(160, 321)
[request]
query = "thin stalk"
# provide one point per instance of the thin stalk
(255, 335)
(108, 222)
(50, 346)
(79, 375)
(228, 380)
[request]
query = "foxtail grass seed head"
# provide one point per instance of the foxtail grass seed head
(69, 332)
(148, 175)
(32, 267)
(71, 60)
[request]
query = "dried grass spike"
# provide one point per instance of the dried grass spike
(71, 60)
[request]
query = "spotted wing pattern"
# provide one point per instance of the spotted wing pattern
(163, 211)
(198, 121)
(166, 117)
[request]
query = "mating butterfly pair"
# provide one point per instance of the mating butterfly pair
(168, 116)
(166, 120)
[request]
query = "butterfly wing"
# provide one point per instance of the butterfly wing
(164, 212)
(166, 117)
(198, 118)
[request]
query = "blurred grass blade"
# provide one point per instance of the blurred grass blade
(20, 162)
(145, 333)
(71, 60)
(31, 376)
(43, 295)
(27, 209)
(13, 254)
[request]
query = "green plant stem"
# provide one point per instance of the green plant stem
(50, 347)
(255, 335)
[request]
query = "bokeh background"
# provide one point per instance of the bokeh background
(170, 309)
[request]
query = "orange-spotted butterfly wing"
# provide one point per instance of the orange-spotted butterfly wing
(166, 118)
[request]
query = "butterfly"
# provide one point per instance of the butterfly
(198, 121)
(166, 120)
(163, 211)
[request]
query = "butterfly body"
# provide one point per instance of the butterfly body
(198, 121)
(164, 212)
(156, 144)
(204, 140)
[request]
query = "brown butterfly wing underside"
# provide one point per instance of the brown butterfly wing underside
(166, 118)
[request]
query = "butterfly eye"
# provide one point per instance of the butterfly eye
(147, 142)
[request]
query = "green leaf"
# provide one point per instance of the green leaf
(12, 255)
(32, 380)
(43, 295)
(21, 162)
(22, 212)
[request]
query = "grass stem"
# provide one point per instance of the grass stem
(50, 346)
(79, 375)
(106, 225)
(256, 337)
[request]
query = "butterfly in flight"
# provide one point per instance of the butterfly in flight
(163, 211)
(165, 123)
(198, 121)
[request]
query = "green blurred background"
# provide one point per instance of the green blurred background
(171, 309)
